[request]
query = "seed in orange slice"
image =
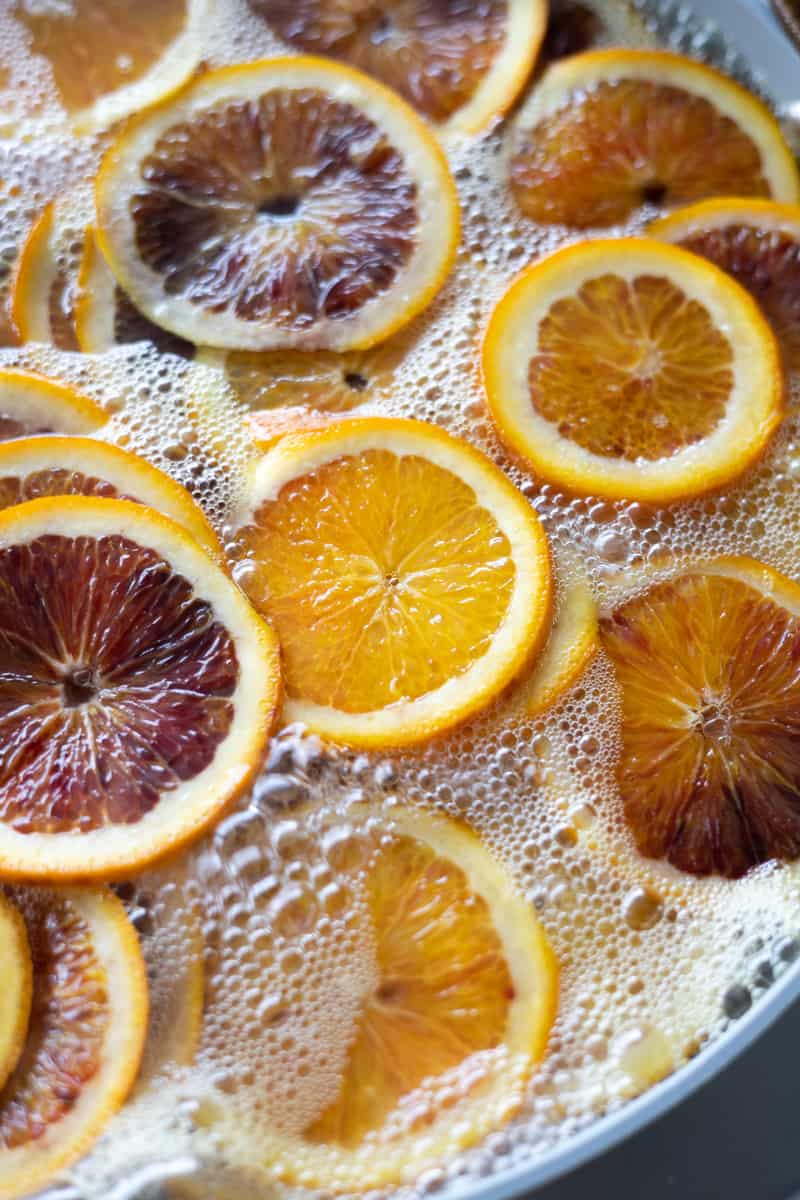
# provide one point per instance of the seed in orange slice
(569, 649)
(610, 130)
(454, 1014)
(707, 663)
(758, 243)
(107, 59)
(138, 689)
(84, 1044)
(461, 63)
(286, 203)
(616, 371)
(31, 403)
(15, 994)
(408, 580)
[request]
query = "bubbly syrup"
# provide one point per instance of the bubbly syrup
(654, 965)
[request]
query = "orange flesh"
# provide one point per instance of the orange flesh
(383, 577)
(443, 989)
(15, 489)
(710, 770)
(620, 145)
(13, 427)
(435, 53)
(291, 208)
(114, 683)
(631, 369)
(69, 1016)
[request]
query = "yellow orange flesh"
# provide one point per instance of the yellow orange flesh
(708, 668)
(15, 995)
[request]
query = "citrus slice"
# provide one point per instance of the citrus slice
(107, 59)
(460, 65)
(707, 663)
(454, 1014)
(138, 688)
(610, 130)
(408, 580)
(15, 995)
(32, 468)
(569, 649)
(84, 1044)
(756, 241)
(617, 371)
(285, 203)
(31, 403)
(43, 291)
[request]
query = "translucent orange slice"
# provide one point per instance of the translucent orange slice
(610, 130)
(15, 995)
(408, 580)
(756, 241)
(84, 1044)
(569, 649)
(617, 371)
(137, 688)
(707, 663)
(31, 403)
(461, 64)
(43, 286)
(291, 203)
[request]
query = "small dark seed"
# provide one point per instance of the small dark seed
(737, 1001)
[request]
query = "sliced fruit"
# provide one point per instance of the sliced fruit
(756, 241)
(43, 289)
(138, 689)
(610, 130)
(15, 995)
(571, 646)
(84, 1045)
(707, 663)
(456, 1015)
(156, 46)
(32, 468)
(285, 203)
(31, 404)
(408, 580)
(461, 63)
(619, 372)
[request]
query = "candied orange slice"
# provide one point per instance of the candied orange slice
(31, 403)
(408, 580)
(619, 372)
(758, 243)
(137, 688)
(610, 130)
(84, 1044)
(43, 285)
(286, 203)
(569, 649)
(461, 63)
(457, 1012)
(15, 995)
(707, 663)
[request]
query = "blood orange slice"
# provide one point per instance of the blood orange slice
(88, 1020)
(33, 404)
(15, 995)
(610, 130)
(137, 688)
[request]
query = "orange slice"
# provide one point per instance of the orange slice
(707, 663)
(32, 468)
(285, 203)
(43, 286)
(454, 1013)
(620, 370)
(460, 65)
(138, 689)
(569, 649)
(31, 403)
(408, 580)
(610, 130)
(756, 241)
(15, 996)
(87, 1027)
(106, 59)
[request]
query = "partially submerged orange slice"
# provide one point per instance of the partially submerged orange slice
(15, 995)
(758, 243)
(43, 286)
(408, 580)
(87, 1027)
(610, 130)
(286, 203)
(460, 65)
(138, 689)
(453, 1020)
(707, 663)
(31, 403)
(632, 369)
(570, 647)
